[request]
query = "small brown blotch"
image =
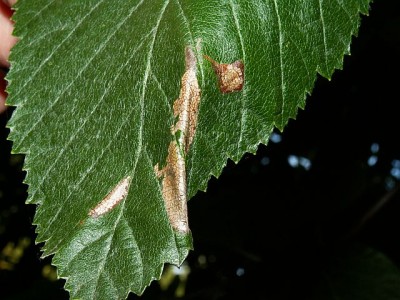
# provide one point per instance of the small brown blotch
(115, 196)
(230, 76)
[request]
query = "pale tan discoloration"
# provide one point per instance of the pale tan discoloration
(118, 193)
(174, 188)
(187, 105)
(230, 76)
(174, 173)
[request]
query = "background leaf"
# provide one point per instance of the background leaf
(94, 83)
(358, 272)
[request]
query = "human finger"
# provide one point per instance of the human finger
(7, 40)
(3, 93)
(9, 3)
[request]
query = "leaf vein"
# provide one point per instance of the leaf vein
(39, 12)
(345, 10)
(80, 72)
(301, 55)
(101, 269)
(146, 75)
(76, 134)
(321, 13)
(38, 69)
(161, 89)
(187, 23)
(282, 83)
(243, 118)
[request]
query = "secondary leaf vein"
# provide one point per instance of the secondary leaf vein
(80, 72)
(39, 12)
(243, 118)
(76, 134)
(38, 69)
(321, 13)
(282, 84)
(95, 107)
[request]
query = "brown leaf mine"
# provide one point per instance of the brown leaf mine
(230, 76)
(174, 173)
(187, 105)
(117, 194)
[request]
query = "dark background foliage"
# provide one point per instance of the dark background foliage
(280, 222)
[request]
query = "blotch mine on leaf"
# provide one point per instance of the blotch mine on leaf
(117, 194)
(230, 76)
(174, 173)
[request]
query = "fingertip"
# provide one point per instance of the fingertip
(2, 103)
(6, 37)
(9, 3)
(8, 40)
(3, 94)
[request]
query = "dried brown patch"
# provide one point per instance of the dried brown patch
(230, 76)
(115, 196)
(174, 173)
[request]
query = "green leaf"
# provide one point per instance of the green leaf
(358, 272)
(94, 83)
